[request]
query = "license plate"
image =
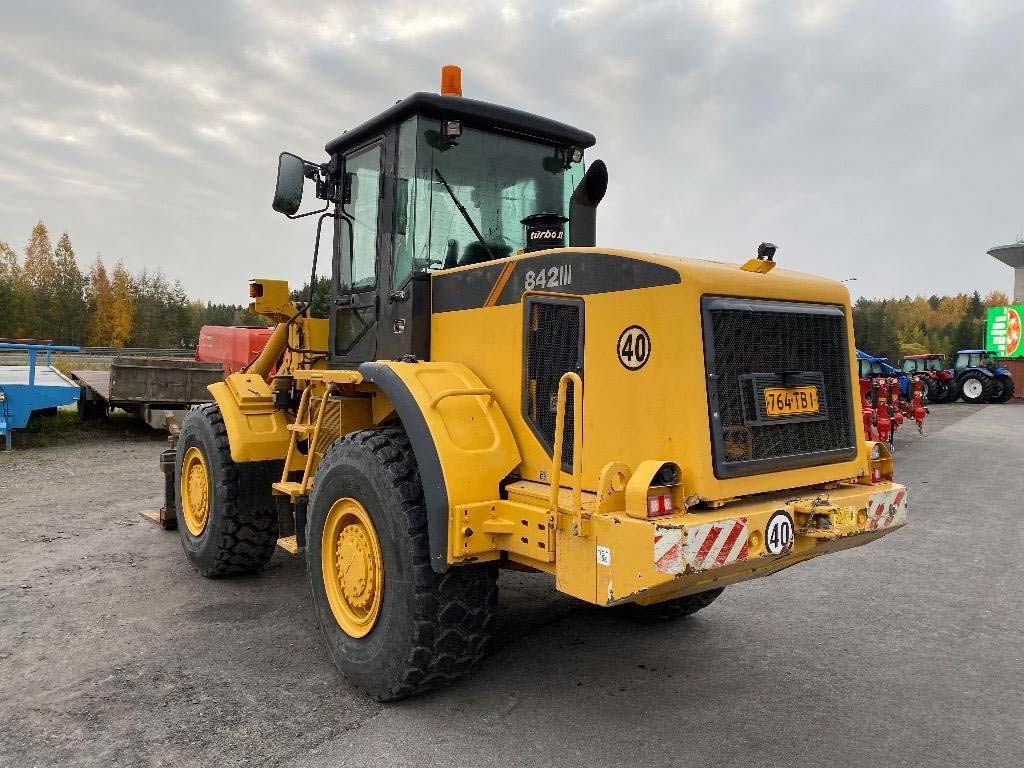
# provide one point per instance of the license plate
(790, 401)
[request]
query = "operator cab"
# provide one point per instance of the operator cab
(922, 363)
(974, 358)
(437, 182)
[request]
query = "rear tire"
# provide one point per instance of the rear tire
(1006, 390)
(669, 610)
(938, 391)
(976, 388)
(952, 391)
(226, 513)
(394, 627)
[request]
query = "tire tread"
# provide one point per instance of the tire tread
(248, 532)
(454, 611)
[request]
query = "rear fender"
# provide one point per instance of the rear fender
(975, 371)
(460, 438)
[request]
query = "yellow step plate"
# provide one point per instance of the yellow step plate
(289, 544)
(288, 489)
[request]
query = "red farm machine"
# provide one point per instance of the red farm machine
(940, 383)
(889, 398)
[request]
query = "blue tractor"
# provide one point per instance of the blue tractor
(870, 367)
(981, 378)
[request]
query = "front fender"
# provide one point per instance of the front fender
(462, 442)
(256, 430)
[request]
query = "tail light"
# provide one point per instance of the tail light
(881, 462)
(659, 502)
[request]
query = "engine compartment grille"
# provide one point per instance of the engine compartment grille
(752, 345)
(553, 347)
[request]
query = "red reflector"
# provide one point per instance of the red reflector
(659, 505)
(876, 475)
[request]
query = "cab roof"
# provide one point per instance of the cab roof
(479, 114)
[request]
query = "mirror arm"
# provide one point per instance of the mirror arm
(321, 176)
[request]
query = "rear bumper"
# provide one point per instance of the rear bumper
(652, 560)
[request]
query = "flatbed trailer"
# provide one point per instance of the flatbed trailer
(158, 390)
(28, 388)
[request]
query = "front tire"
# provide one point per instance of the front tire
(227, 517)
(976, 388)
(394, 627)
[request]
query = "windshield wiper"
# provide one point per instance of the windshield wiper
(465, 215)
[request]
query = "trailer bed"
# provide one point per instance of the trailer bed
(97, 381)
(159, 390)
(28, 388)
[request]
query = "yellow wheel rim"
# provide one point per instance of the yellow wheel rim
(352, 567)
(195, 491)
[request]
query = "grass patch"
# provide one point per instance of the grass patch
(64, 427)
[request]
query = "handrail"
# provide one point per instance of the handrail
(32, 350)
(311, 449)
(38, 347)
(577, 448)
(457, 391)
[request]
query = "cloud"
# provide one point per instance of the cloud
(868, 139)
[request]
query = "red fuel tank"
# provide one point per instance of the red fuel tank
(234, 346)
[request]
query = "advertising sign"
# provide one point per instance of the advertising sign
(1003, 331)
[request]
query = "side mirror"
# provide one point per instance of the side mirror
(291, 173)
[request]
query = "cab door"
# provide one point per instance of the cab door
(357, 247)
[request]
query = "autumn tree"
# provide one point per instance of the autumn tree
(69, 307)
(100, 299)
(898, 327)
(11, 312)
(39, 275)
(122, 307)
(49, 297)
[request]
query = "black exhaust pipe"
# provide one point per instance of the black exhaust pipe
(583, 205)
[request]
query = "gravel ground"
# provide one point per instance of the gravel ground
(907, 652)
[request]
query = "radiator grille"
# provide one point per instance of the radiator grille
(752, 345)
(554, 346)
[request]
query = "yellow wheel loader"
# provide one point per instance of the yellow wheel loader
(491, 389)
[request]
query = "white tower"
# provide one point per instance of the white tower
(1013, 256)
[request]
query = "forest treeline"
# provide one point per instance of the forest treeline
(46, 294)
(910, 326)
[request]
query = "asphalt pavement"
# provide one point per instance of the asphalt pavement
(906, 652)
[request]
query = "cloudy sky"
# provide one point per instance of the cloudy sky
(876, 140)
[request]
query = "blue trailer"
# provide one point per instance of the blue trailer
(32, 387)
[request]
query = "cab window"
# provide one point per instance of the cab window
(362, 203)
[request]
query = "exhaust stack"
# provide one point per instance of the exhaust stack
(583, 205)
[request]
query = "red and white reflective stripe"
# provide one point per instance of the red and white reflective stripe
(716, 544)
(668, 550)
(887, 509)
(711, 545)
